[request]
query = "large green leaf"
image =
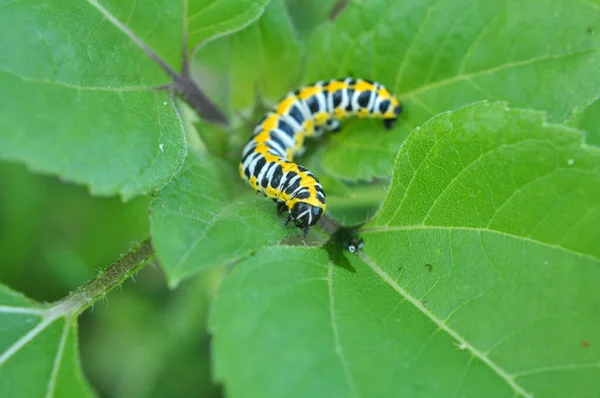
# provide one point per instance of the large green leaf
(197, 223)
(263, 60)
(309, 14)
(38, 350)
(78, 101)
(588, 119)
(162, 24)
(208, 19)
(158, 23)
(79, 98)
(505, 208)
(440, 55)
(478, 278)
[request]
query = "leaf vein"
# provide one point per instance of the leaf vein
(469, 52)
(20, 310)
(467, 167)
(508, 65)
(419, 227)
(558, 368)
(339, 351)
(57, 360)
(76, 87)
(443, 326)
(13, 349)
(409, 48)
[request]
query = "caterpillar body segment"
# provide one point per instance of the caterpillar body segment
(267, 159)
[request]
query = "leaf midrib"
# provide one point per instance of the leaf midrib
(58, 359)
(509, 379)
(78, 87)
(338, 350)
(47, 317)
(507, 65)
(420, 227)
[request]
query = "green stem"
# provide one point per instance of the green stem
(113, 276)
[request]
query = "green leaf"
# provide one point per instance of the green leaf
(441, 55)
(162, 24)
(80, 89)
(198, 223)
(262, 60)
(373, 156)
(347, 203)
(309, 14)
(38, 350)
(352, 204)
(79, 101)
(209, 19)
(505, 209)
(588, 119)
(478, 277)
(158, 23)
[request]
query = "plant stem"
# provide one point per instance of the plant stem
(337, 9)
(113, 276)
(182, 82)
(329, 225)
(196, 98)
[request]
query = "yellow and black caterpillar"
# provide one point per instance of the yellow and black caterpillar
(267, 159)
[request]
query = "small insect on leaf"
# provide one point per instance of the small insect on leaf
(354, 244)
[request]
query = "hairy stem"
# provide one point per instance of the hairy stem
(111, 277)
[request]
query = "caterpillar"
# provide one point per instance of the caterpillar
(267, 159)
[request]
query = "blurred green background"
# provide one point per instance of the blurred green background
(54, 237)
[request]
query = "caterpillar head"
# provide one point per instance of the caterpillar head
(305, 215)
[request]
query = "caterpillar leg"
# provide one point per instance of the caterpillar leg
(304, 229)
(281, 207)
(389, 123)
(333, 125)
(300, 151)
(319, 130)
